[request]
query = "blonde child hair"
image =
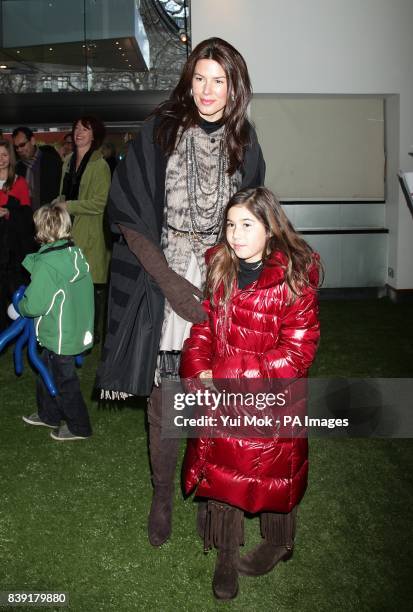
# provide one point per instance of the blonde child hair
(52, 223)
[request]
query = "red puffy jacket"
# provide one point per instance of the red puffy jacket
(266, 336)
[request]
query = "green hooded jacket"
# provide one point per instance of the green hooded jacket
(60, 297)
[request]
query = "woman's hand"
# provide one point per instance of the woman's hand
(61, 200)
(4, 213)
(178, 290)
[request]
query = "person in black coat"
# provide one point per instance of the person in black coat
(109, 154)
(41, 166)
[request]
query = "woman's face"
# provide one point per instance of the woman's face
(209, 89)
(4, 158)
(83, 136)
(246, 234)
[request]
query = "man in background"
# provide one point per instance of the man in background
(66, 146)
(41, 166)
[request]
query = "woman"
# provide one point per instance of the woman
(85, 187)
(262, 326)
(16, 228)
(166, 203)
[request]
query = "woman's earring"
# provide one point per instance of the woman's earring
(191, 93)
(232, 97)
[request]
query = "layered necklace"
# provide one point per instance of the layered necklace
(205, 222)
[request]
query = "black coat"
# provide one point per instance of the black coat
(48, 179)
(136, 304)
(16, 241)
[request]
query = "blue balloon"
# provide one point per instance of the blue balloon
(17, 296)
(23, 328)
(18, 349)
(37, 363)
(11, 332)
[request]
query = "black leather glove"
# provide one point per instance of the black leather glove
(178, 291)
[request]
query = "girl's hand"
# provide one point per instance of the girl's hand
(206, 376)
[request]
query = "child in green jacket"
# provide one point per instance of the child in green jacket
(60, 298)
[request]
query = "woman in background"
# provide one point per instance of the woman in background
(85, 187)
(16, 228)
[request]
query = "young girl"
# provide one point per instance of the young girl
(261, 298)
(60, 297)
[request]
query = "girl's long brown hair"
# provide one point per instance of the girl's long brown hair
(11, 173)
(281, 236)
(180, 110)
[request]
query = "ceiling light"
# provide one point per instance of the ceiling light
(17, 51)
(183, 36)
(50, 48)
(3, 66)
(116, 43)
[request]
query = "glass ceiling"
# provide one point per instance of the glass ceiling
(92, 45)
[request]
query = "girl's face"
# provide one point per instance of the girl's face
(4, 158)
(246, 234)
(209, 89)
(83, 136)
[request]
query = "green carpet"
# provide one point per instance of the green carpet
(73, 516)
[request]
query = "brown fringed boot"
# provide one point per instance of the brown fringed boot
(201, 518)
(163, 454)
(278, 531)
(224, 530)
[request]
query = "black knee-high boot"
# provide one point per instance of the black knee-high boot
(278, 531)
(163, 455)
(225, 530)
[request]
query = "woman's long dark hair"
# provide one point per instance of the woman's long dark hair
(180, 110)
(11, 172)
(281, 236)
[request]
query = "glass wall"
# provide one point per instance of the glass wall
(92, 45)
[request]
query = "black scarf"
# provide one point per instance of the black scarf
(248, 272)
(72, 178)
